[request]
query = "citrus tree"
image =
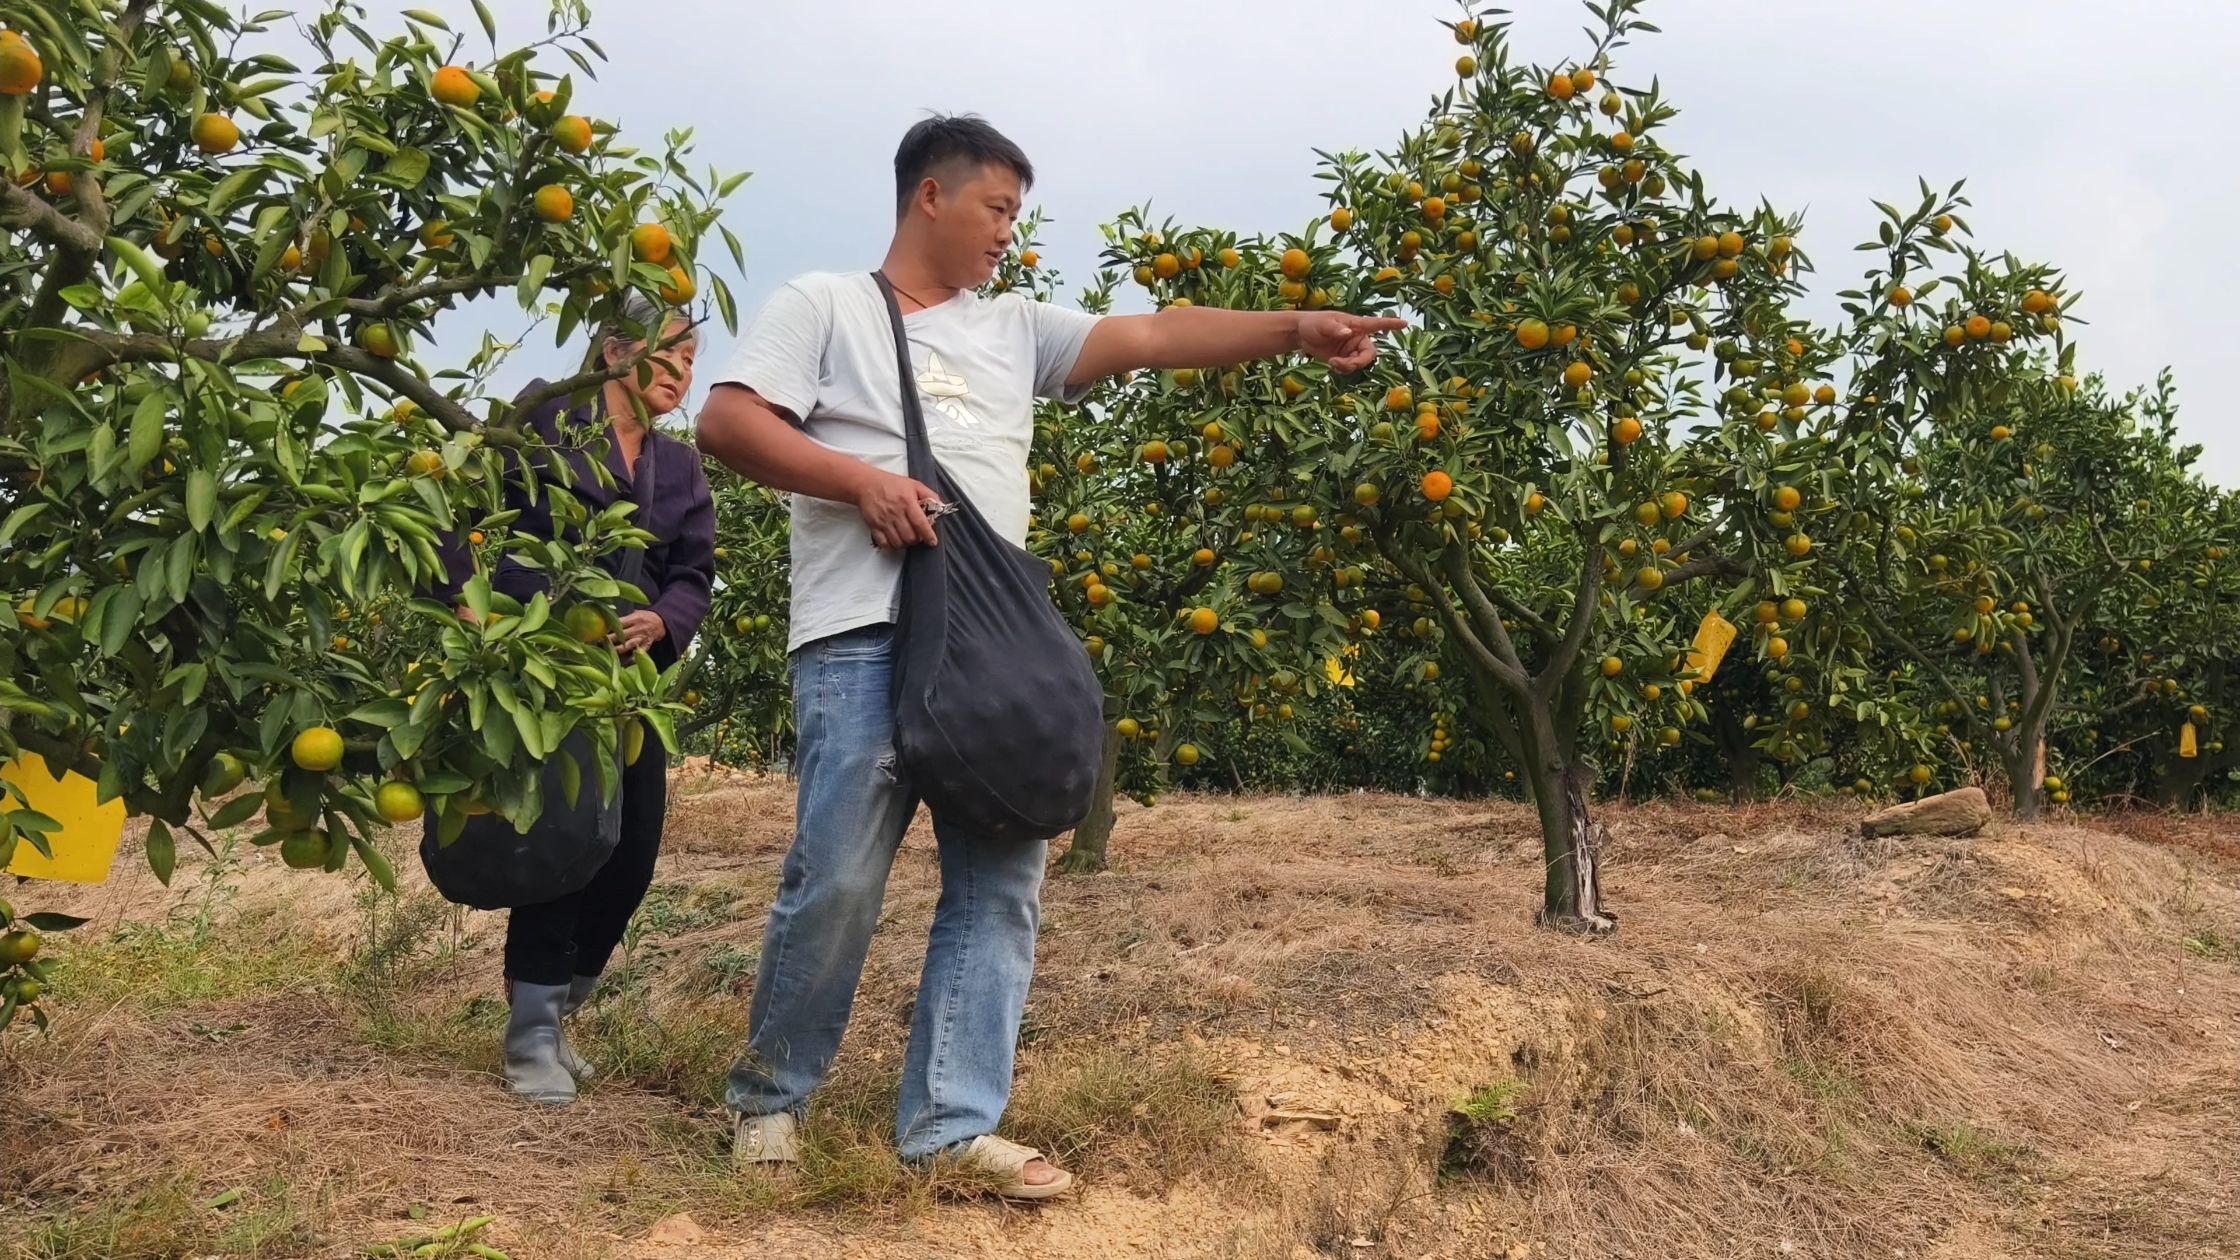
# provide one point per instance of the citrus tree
(1180, 552)
(735, 680)
(225, 471)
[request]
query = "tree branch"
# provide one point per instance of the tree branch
(24, 210)
(1456, 562)
(1565, 654)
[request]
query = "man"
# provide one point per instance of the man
(809, 404)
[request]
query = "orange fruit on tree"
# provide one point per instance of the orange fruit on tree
(1793, 609)
(555, 204)
(379, 340)
(1230, 258)
(58, 183)
(1647, 514)
(1532, 334)
(1398, 398)
(572, 133)
(1221, 456)
(1563, 335)
(20, 67)
(1560, 85)
(1296, 263)
(1166, 266)
(1576, 375)
(1437, 485)
(1465, 66)
(2037, 302)
(1204, 621)
(398, 801)
(1978, 326)
(1787, 498)
(215, 134)
(1341, 219)
(1649, 578)
(680, 288)
(1900, 295)
(454, 86)
(1534, 503)
(1626, 431)
(650, 242)
(1203, 557)
(317, 748)
(436, 234)
(1029, 259)
(1824, 395)
(424, 464)
(1582, 80)
(1434, 208)
(1730, 244)
(1705, 248)
(2001, 331)
(1798, 545)
(1674, 505)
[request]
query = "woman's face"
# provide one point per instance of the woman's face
(671, 378)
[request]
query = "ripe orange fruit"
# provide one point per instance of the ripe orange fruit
(1777, 647)
(1166, 266)
(1787, 498)
(58, 183)
(1793, 609)
(1341, 219)
(1824, 395)
(1437, 485)
(650, 241)
(1534, 503)
(1705, 249)
(20, 67)
(1612, 667)
(1230, 258)
(1730, 244)
(1203, 557)
(1576, 375)
(1434, 208)
(1900, 295)
(555, 204)
(2000, 433)
(1646, 515)
(317, 749)
(2037, 302)
(1398, 398)
(1154, 452)
(572, 133)
(1626, 431)
(424, 464)
(1466, 31)
(1532, 334)
(1296, 264)
(1204, 621)
(680, 288)
(1029, 259)
(1560, 85)
(1674, 505)
(291, 258)
(215, 134)
(1465, 66)
(436, 234)
(1221, 456)
(1649, 578)
(1798, 545)
(1978, 326)
(454, 86)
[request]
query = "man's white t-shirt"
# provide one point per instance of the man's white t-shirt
(822, 348)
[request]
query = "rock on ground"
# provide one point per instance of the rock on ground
(1962, 812)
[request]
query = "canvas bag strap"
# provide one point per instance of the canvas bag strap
(922, 468)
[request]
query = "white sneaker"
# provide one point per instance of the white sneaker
(766, 1139)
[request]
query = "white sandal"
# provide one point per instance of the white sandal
(770, 1139)
(1008, 1160)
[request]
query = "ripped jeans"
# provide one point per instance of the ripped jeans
(850, 815)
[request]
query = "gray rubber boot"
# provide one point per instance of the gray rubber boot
(532, 1045)
(579, 992)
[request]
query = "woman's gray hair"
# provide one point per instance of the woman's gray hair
(641, 320)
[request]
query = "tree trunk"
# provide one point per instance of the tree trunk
(1086, 855)
(1571, 840)
(2021, 757)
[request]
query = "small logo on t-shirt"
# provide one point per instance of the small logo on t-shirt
(947, 390)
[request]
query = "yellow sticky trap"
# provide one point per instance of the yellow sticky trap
(2186, 746)
(86, 845)
(1336, 672)
(1713, 637)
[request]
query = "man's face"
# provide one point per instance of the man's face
(974, 210)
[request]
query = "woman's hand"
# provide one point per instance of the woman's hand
(640, 629)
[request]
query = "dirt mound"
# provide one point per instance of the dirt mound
(1279, 1027)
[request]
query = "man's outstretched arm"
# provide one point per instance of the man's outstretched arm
(1197, 336)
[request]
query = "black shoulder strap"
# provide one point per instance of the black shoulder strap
(922, 469)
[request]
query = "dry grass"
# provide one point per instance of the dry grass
(2019, 1045)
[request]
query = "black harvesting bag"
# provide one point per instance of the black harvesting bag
(999, 718)
(492, 866)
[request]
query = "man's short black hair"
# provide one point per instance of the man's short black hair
(946, 138)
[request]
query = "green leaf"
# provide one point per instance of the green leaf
(120, 620)
(232, 187)
(426, 18)
(142, 264)
(18, 519)
(406, 169)
(382, 713)
(409, 738)
(163, 852)
(145, 438)
(237, 811)
(202, 498)
(49, 921)
(489, 24)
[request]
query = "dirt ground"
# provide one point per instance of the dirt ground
(1283, 1027)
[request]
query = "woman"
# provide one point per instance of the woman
(556, 950)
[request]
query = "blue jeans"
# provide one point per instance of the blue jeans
(852, 809)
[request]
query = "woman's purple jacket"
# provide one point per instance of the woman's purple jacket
(681, 561)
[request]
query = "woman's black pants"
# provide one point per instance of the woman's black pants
(554, 941)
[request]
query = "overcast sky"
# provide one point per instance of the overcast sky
(2089, 133)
